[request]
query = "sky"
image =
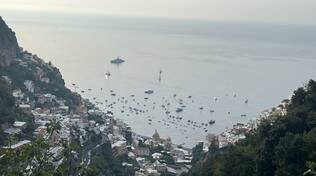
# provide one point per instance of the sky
(258, 11)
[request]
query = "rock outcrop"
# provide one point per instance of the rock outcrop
(9, 48)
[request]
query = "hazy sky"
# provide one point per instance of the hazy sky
(271, 11)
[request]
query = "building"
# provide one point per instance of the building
(12, 131)
(142, 151)
(17, 145)
(19, 125)
(156, 137)
(119, 148)
(25, 107)
(29, 85)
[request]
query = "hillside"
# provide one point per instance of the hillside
(20, 66)
(282, 146)
(42, 122)
(9, 48)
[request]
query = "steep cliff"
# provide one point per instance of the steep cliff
(9, 48)
(21, 67)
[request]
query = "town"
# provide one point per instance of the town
(144, 155)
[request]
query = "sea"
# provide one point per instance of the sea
(211, 70)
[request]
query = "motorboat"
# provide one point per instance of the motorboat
(211, 122)
(149, 91)
(118, 60)
(179, 110)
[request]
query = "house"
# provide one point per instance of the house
(19, 125)
(41, 131)
(119, 148)
(29, 85)
(17, 94)
(223, 142)
(151, 172)
(63, 109)
(25, 107)
(12, 131)
(131, 155)
(141, 161)
(180, 153)
(142, 151)
(46, 98)
(168, 143)
(156, 156)
(17, 145)
(160, 167)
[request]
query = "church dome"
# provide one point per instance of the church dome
(156, 135)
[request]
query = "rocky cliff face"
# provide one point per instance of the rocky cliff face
(21, 66)
(9, 48)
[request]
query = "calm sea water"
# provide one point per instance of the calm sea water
(261, 63)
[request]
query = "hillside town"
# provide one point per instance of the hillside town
(150, 155)
(147, 155)
(240, 130)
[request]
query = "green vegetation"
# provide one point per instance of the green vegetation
(10, 113)
(281, 146)
(104, 163)
(32, 159)
(128, 137)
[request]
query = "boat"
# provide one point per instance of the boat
(179, 110)
(118, 60)
(149, 92)
(211, 122)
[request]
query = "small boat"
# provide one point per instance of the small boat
(246, 101)
(118, 60)
(149, 92)
(243, 115)
(211, 122)
(179, 110)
